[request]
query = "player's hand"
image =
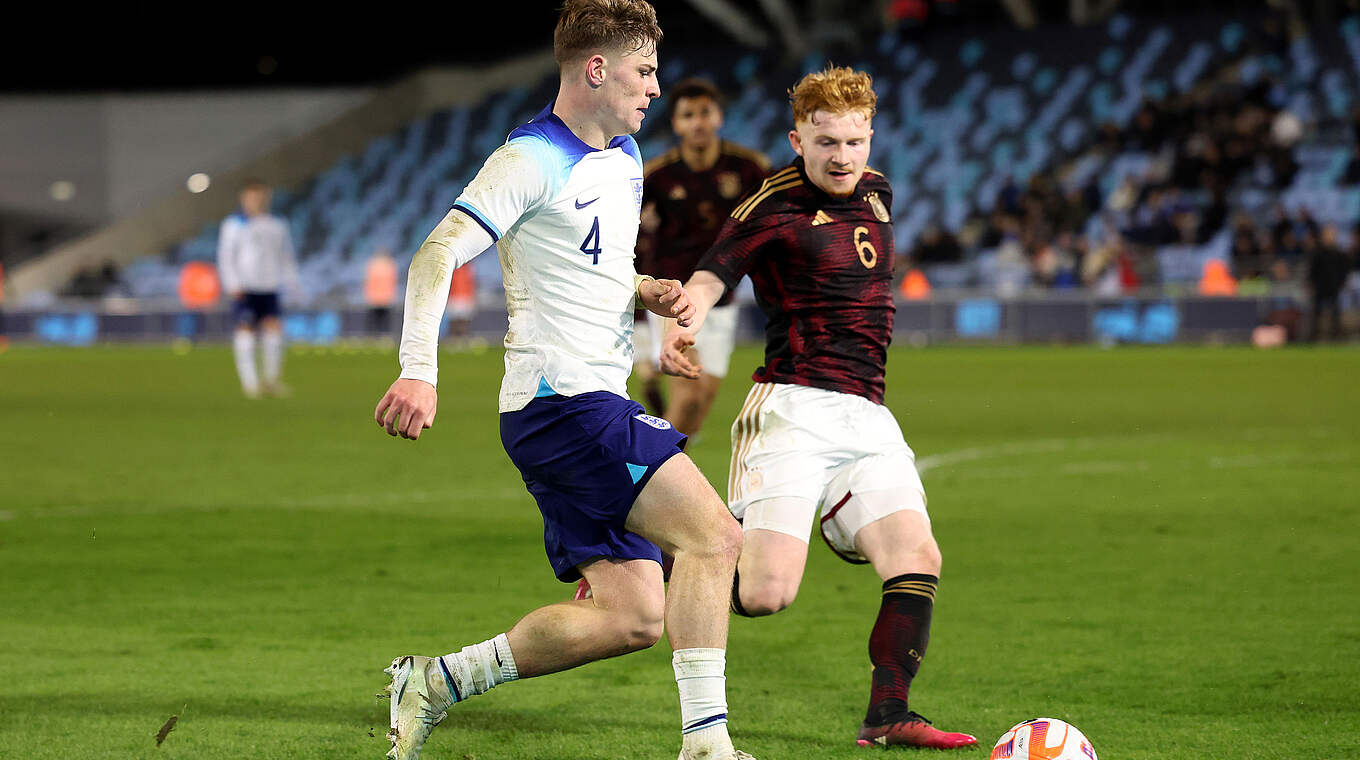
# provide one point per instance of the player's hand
(675, 359)
(667, 298)
(407, 408)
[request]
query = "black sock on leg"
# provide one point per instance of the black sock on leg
(898, 643)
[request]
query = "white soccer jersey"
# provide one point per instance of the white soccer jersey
(255, 254)
(565, 218)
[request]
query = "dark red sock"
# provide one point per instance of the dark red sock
(898, 643)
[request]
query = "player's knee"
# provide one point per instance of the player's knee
(768, 597)
(727, 541)
(928, 555)
(640, 626)
(717, 540)
(920, 557)
(646, 634)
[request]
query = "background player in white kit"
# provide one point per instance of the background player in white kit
(255, 259)
(561, 198)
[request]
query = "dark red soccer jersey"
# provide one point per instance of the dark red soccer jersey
(822, 271)
(692, 206)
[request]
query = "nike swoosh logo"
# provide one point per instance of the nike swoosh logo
(587, 203)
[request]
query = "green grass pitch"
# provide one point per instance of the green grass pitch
(1161, 546)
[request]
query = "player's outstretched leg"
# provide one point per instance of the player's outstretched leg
(625, 614)
(902, 550)
(424, 688)
(419, 702)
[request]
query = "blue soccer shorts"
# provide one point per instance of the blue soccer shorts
(250, 308)
(585, 459)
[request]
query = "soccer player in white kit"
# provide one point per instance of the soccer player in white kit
(255, 260)
(561, 199)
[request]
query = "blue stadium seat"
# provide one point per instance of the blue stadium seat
(955, 121)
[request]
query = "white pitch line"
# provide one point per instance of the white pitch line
(1101, 467)
(950, 458)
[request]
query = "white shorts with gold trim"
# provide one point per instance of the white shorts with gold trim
(799, 451)
(713, 345)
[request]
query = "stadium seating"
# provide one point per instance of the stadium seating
(1025, 104)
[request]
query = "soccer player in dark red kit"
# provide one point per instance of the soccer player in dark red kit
(687, 194)
(814, 437)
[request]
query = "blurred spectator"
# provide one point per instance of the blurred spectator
(1286, 130)
(198, 290)
(1108, 139)
(380, 291)
(96, 282)
(1246, 253)
(1328, 268)
(1217, 280)
(936, 246)
(462, 304)
(1147, 131)
(1056, 263)
(1100, 269)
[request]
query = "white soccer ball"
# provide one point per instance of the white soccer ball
(1043, 739)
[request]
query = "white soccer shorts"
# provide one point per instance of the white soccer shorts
(799, 451)
(713, 344)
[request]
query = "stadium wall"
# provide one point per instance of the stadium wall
(954, 318)
(122, 152)
(180, 213)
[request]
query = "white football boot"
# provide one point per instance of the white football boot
(421, 698)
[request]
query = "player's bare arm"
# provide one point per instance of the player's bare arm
(704, 289)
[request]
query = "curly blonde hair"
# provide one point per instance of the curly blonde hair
(590, 26)
(835, 89)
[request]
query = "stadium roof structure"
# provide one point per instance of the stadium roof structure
(236, 49)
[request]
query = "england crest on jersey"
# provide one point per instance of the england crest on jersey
(637, 193)
(655, 422)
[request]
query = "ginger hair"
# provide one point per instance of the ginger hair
(836, 90)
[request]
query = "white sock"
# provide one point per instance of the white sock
(243, 345)
(703, 702)
(479, 668)
(272, 344)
